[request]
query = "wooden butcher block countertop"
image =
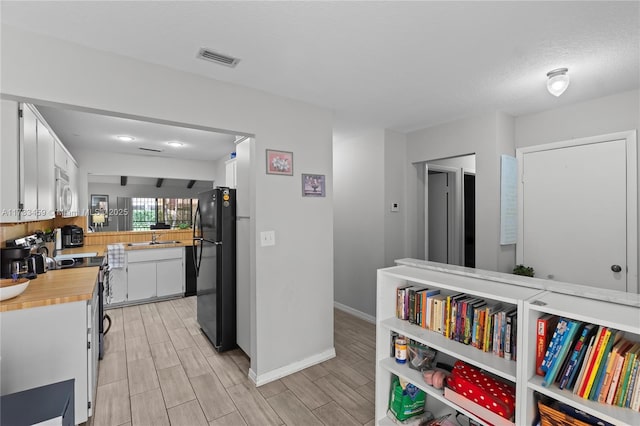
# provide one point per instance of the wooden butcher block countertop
(53, 287)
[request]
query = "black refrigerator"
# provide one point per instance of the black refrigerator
(214, 251)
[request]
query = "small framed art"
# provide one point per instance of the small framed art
(279, 162)
(313, 185)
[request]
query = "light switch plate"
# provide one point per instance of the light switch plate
(267, 238)
(395, 207)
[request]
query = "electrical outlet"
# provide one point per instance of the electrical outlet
(395, 207)
(267, 238)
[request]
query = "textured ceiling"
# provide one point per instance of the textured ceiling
(398, 65)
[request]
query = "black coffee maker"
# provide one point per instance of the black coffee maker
(15, 260)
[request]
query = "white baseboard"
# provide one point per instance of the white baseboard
(355, 312)
(278, 373)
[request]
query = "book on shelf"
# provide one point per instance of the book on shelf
(577, 354)
(555, 343)
(452, 312)
(402, 302)
(623, 383)
(567, 359)
(575, 385)
(598, 382)
(600, 351)
(427, 303)
(490, 310)
(635, 397)
(617, 372)
(563, 348)
(632, 382)
(621, 345)
(472, 306)
(509, 335)
(544, 329)
(594, 358)
(439, 301)
(587, 364)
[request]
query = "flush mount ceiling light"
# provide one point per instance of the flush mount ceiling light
(124, 138)
(558, 81)
(175, 144)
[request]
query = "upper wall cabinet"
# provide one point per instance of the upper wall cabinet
(27, 160)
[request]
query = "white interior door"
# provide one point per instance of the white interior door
(574, 222)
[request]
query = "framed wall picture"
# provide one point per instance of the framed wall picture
(100, 209)
(279, 162)
(313, 185)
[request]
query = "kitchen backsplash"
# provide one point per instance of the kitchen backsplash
(10, 231)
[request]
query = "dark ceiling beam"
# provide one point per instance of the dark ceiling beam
(159, 182)
(191, 183)
(123, 180)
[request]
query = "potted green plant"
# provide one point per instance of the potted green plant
(527, 271)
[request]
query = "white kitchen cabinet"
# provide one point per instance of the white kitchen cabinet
(231, 172)
(155, 272)
(46, 173)
(9, 161)
(169, 278)
(49, 344)
(61, 157)
(28, 164)
(141, 281)
(27, 155)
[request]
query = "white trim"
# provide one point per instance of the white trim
(630, 137)
(278, 373)
(355, 312)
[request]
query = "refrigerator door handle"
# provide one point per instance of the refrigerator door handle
(195, 255)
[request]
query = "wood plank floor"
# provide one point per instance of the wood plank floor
(159, 369)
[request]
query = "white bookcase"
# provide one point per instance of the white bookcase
(532, 301)
(610, 314)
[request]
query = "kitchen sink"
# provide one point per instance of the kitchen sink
(151, 243)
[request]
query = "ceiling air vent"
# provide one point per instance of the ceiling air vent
(150, 149)
(218, 58)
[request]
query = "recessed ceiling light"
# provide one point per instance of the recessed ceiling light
(126, 138)
(175, 143)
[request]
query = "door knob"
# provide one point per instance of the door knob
(616, 268)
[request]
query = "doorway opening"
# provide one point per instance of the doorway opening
(449, 210)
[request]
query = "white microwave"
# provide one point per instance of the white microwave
(64, 195)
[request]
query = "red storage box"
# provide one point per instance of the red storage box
(496, 396)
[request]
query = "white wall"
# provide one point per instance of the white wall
(359, 222)
(608, 114)
(287, 276)
(479, 135)
(395, 156)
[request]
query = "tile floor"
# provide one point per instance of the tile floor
(159, 369)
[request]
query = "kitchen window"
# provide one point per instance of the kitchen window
(175, 212)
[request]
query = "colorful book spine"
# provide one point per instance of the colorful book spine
(583, 366)
(611, 364)
(597, 360)
(579, 347)
(632, 383)
(606, 356)
(558, 358)
(555, 343)
(584, 376)
(544, 327)
(617, 371)
(625, 375)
